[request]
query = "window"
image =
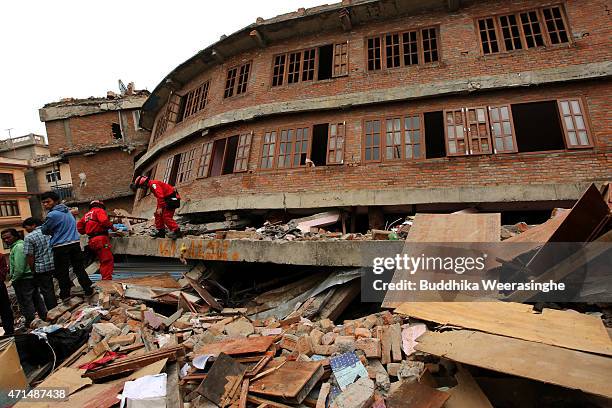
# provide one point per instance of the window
(186, 165)
(7, 180)
(53, 175)
(403, 49)
(374, 54)
(456, 143)
(172, 167)
(555, 25)
(537, 126)
(225, 156)
(504, 140)
(467, 131)
(237, 80)
(327, 61)
(196, 100)
(372, 140)
(403, 138)
(269, 147)
(9, 208)
(116, 131)
(293, 147)
(136, 117)
(574, 123)
(170, 115)
(335, 144)
(523, 30)
(205, 156)
(242, 152)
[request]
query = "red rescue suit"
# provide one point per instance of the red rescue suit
(164, 217)
(96, 224)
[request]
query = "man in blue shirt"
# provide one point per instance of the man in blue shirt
(39, 257)
(66, 243)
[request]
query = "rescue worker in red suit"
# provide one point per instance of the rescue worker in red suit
(168, 200)
(95, 224)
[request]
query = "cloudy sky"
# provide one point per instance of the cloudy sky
(73, 48)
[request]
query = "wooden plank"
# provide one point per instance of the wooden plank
(549, 364)
(467, 392)
(163, 280)
(66, 377)
(567, 329)
(415, 395)
(340, 300)
(173, 393)
(455, 228)
(136, 362)
(385, 344)
(221, 379)
(244, 392)
(106, 398)
(236, 347)
(262, 401)
(322, 400)
(578, 259)
(292, 382)
(204, 294)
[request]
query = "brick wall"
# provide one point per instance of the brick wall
(92, 130)
(460, 55)
(108, 173)
(562, 166)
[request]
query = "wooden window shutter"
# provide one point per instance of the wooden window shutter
(573, 118)
(242, 153)
(340, 59)
(335, 143)
(502, 129)
(478, 130)
(455, 133)
(174, 107)
(168, 170)
(204, 167)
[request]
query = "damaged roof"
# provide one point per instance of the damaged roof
(69, 107)
(302, 22)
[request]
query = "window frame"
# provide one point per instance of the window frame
(188, 110)
(12, 204)
(236, 80)
(420, 49)
(185, 167)
(524, 46)
(500, 121)
(335, 150)
(243, 158)
(12, 178)
(206, 150)
(291, 152)
(585, 118)
(402, 116)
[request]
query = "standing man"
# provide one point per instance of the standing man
(6, 312)
(66, 244)
(26, 291)
(96, 224)
(168, 200)
(39, 257)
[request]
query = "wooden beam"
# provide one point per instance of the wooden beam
(258, 38)
(345, 19)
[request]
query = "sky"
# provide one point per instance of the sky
(73, 48)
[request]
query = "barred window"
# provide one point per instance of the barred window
(9, 208)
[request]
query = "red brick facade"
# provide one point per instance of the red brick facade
(460, 58)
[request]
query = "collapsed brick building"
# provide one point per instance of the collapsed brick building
(100, 138)
(389, 106)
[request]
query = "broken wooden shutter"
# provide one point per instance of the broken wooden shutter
(242, 153)
(168, 170)
(340, 59)
(478, 130)
(204, 167)
(502, 129)
(455, 132)
(174, 107)
(335, 143)
(574, 123)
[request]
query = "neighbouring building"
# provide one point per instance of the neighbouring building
(100, 138)
(45, 172)
(383, 107)
(14, 194)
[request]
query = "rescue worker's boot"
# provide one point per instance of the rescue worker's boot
(175, 234)
(157, 233)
